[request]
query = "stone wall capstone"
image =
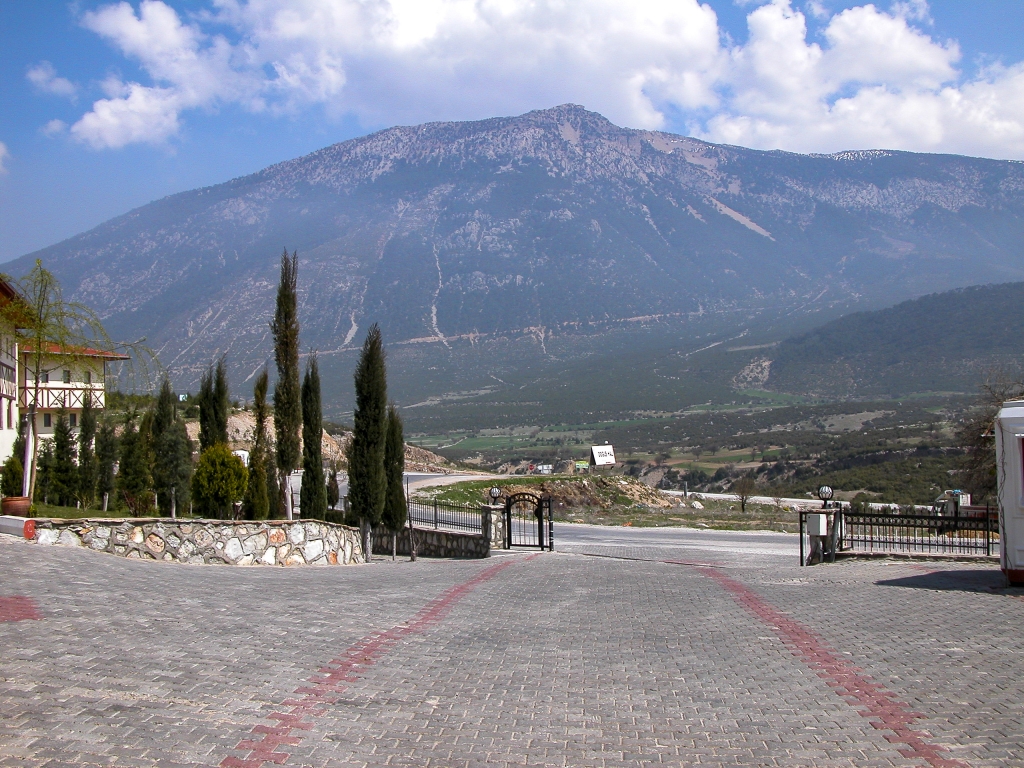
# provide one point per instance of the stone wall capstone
(265, 542)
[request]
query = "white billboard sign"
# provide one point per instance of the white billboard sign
(602, 455)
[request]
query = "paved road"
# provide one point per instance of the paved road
(553, 659)
(419, 480)
(761, 547)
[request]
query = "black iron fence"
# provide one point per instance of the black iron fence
(927, 534)
(445, 515)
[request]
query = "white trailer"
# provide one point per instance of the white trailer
(1009, 429)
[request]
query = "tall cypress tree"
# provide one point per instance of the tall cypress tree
(65, 472)
(333, 497)
(214, 406)
(86, 454)
(256, 504)
(207, 431)
(165, 410)
(367, 484)
(172, 454)
(106, 457)
(133, 479)
(172, 469)
(313, 496)
(44, 472)
(221, 401)
(394, 468)
(287, 407)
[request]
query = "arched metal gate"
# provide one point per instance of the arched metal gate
(528, 522)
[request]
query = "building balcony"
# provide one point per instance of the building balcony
(52, 397)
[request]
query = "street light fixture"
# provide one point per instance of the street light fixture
(825, 493)
(495, 493)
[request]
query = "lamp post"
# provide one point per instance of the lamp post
(825, 493)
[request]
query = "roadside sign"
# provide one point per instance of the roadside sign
(602, 455)
(582, 466)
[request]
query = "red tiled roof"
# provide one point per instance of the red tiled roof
(54, 349)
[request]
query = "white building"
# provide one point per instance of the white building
(8, 377)
(65, 379)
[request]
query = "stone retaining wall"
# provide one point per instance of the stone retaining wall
(269, 542)
(434, 543)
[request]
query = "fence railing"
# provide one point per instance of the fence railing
(443, 514)
(934, 534)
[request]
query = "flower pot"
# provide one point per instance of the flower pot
(16, 505)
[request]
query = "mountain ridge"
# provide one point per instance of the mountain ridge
(492, 240)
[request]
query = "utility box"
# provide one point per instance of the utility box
(1009, 429)
(817, 525)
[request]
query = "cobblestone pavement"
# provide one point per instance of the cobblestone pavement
(562, 659)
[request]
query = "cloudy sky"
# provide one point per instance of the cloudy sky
(108, 105)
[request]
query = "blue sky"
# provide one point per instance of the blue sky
(108, 105)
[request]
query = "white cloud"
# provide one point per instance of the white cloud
(875, 78)
(44, 77)
(54, 128)
(4, 154)
(879, 82)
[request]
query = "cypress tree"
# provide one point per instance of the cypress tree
(65, 472)
(367, 484)
(13, 471)
(333, 497)
(214, 406)
(44, 472)
(207, 431)
(256, 505)
(165, 411)
(172, 455)
(106, 457)
(275, 500)
(221, 401)
(287, 407)
(313, 496)
(133, 479)
(86, 455)
(172, 469)
(394, 468)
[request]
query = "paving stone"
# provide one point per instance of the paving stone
(561, 659)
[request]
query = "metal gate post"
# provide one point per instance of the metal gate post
(551, 530)
(508, 525)
(435, 513)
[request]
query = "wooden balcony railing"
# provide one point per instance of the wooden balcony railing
(51, 397)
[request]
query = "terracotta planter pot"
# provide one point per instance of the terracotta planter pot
(16, 505)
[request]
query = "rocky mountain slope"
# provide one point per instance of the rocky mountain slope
(484, 248)
(241, 426)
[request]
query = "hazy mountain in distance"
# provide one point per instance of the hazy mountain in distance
(946, 342)
(484, 248)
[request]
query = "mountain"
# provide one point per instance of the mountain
(491, 250)
(946, 342)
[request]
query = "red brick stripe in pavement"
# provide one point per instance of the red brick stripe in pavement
(17, 608)
(311, 701)
(882, 707)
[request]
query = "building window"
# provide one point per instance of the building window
(88, 377)
(10, 414)
(44, 378)
(67, 376)
(74, 420)
(47, 420)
